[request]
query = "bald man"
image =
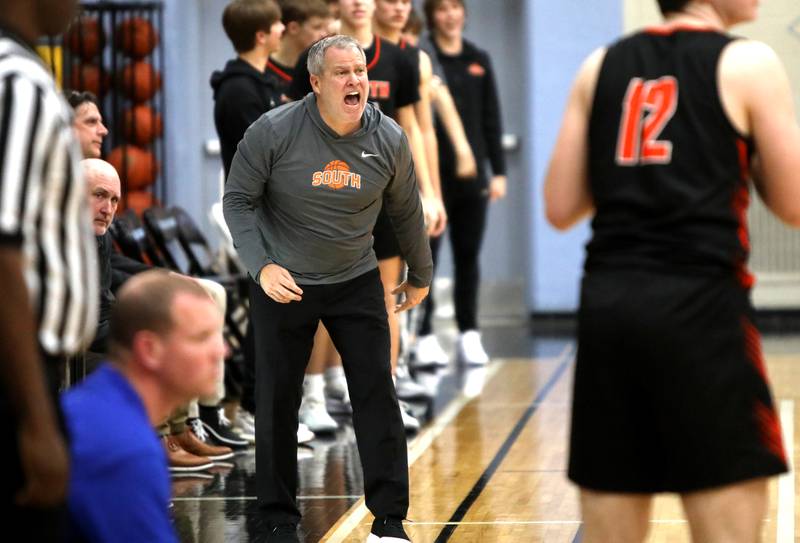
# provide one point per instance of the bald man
(186, 451)
(104, 193)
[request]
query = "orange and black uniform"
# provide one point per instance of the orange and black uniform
(393, 83)
(470, 79)
(280, 75)
(670, 387)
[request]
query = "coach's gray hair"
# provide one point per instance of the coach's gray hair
(316, 55)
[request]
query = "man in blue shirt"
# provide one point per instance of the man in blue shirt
(165, 342)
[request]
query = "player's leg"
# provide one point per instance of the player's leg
(731, 514)
(607, 516)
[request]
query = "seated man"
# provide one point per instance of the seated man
(165, 343)
(186, 452)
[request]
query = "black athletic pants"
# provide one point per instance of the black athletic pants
(30, 523)
(466, 212)
(354, 314)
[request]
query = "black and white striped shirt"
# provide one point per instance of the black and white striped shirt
(43, 204)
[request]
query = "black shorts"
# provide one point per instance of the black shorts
(670, 391)
(385, 241)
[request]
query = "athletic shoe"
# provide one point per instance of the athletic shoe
(243, 427)
(283, 533)
(314, 415)
(193, 440)
(304, 434)
(181, 461)
(245, 421)
(336, 389)
(407, 388)
(428, 352)
(388, 530)
(470, 349)
(219, 428)
(410, 423)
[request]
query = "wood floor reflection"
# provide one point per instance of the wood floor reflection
(489, 466)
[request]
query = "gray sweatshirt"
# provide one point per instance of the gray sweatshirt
(303, 197)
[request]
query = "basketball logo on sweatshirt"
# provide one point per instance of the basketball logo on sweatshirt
(335, 176)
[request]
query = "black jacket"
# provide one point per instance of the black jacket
(115, 269)
(470, 78)
(241, 95)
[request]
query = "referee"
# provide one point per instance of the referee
(47, 267)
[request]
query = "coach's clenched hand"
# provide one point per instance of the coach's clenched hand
(279, 284)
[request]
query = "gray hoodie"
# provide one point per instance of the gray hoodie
(303, 197)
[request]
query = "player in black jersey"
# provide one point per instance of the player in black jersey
(661, 133)
(305, 22)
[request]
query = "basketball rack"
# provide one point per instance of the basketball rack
(115, 50)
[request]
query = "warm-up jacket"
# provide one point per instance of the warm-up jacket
(303, 197)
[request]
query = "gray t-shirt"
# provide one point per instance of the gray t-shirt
(303, 197)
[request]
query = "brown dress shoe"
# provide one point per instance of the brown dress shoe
(181, 461)
(192, 444)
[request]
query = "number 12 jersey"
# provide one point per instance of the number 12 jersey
(668, 171)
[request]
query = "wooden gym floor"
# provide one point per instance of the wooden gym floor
(489, 466)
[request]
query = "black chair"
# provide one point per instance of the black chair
(195, 243)
(133, 240)
(163, 226)
(199, 252)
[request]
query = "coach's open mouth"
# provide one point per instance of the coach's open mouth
(352, 99)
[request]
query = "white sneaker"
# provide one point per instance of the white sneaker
(304, 435)
(429, 352)
(314, 415)
(246, 417)
(470, 349)
(407, 388)
(242, 426)
(410, 423)
(337, 389)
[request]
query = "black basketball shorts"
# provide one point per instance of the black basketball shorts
(385, 242)
(670, 390)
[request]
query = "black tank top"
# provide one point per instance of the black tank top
(668, 171)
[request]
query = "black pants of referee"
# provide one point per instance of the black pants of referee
(354, 314)
(30, 523)
(466, 205)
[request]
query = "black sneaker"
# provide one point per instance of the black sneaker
(219, 428)
(283, 533)
(388, 530)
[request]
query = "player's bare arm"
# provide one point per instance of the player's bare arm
(566, 188)
(757, 97)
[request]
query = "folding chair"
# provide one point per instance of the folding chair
(133, 240)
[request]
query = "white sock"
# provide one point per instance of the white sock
(314, 386)
(334, 373)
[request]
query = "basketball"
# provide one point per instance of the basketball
(337, 182)
(136, 37)
(142, 125)
(85, 38)
(88, 77)
(137, 167)
(139, 81)
(337, 165)
(138, 201)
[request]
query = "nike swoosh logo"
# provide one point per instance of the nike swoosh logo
(365, 154)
